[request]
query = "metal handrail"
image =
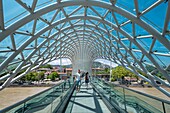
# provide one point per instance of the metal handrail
(62, 106)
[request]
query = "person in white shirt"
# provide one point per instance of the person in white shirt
(78, 80)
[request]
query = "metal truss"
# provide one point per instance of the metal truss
(82, 31)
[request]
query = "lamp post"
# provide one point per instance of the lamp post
(111, 19)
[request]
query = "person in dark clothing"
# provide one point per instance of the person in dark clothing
(68, 79)
(87, 79)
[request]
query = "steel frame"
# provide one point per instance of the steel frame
(85, 39)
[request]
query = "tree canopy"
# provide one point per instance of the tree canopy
(33, 76)
(120, 72)
(53, 76)
(47, 66)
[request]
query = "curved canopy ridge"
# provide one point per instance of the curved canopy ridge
(135, 36)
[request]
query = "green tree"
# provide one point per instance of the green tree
(64, 67)
(53, 76)
(150, 68)
(32, 76)
(47, 66)
(28, 76)
(41, 75)
(107, 70)
(142, 73)
(23, 78)
(120, 72)
(35, 76)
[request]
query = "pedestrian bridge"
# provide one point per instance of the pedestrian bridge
(99, 97)
(134, 34)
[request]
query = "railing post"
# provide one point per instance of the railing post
(124, 98)
(51, 107)
(23, 110)
(163, 107)
(110, 93)
(137, 106)
(62, 86)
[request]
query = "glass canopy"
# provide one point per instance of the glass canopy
(133, 33)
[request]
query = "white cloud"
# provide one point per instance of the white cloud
(107, 62)
(65, 61)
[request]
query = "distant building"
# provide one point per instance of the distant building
(62, 75)
(66, 72)
(69, 71)
(95, 70)
(55, 70)
(131, 79)
(44, 69)
(103, 75)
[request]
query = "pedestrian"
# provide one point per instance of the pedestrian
(68, 79)
(78, 81)
(87, 80)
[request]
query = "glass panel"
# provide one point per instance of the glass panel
(121, 19)
(128, 5)
(17, 109)
(144, 4)
(167, 107)
(44, 102)
(141, 103)
(156, 19)
(43, 3)
(39, 101)
(129, 100)
(13, 11)
(119, 96)
(100, 10)
(70, 105)
(55, 104)
(43, 109)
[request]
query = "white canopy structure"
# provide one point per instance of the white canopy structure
(131, 33)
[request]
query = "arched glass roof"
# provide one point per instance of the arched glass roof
(133, 33)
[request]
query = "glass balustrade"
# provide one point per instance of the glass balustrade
(130, 100)
(46, 101)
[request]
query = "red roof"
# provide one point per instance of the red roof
(47, 72)
(61, 73)
(69, 69)
(97, 69)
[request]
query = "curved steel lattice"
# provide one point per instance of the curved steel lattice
(135, 35)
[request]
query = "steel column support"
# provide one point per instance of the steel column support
(167, 19)
(1, 16)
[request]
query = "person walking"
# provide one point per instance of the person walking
(87, 80)
(78, 81)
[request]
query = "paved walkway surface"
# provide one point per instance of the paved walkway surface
(87, 101)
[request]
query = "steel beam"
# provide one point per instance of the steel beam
(118, 10)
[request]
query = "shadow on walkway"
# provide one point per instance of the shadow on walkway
(87, 101)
